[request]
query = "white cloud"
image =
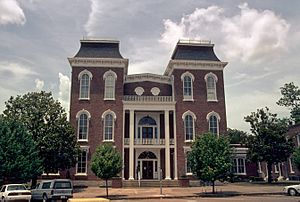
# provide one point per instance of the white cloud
(252, 36)
(64, 90)
(11, 13)
(12, 69)
(39, 84)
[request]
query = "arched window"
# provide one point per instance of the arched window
(83, 118)
(81, 166)
(187, 79)
(110, 80)
(211, 80)
(147, 131)
(189, 125)
(108, 125)
(84, 78)
(213, 119)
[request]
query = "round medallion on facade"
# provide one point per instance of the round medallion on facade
(139, 90)
(155, 91)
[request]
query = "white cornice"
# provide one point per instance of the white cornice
(99, 62)
(147, 77)
(194, 64)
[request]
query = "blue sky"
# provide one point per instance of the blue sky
(259, 39)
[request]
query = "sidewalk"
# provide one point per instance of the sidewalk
(224, 190)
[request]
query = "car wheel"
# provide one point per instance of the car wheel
(292, 192)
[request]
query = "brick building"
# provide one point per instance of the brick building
(151, 119)
(285, 170)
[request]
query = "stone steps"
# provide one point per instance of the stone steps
(150, 183)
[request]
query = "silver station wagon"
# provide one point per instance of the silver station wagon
(51, 190)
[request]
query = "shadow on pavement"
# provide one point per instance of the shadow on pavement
(218, 194)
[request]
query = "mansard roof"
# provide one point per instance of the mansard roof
(194, 50)
(94, 48)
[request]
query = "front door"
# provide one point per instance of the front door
(147, 169)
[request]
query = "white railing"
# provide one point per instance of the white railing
(135, 98)
(147, 141)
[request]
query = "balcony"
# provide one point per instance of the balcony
(148, 141)
(136, 98)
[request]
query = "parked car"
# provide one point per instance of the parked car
(292, 190)
(14, 192)
(58, 189)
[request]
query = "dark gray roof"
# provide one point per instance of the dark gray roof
(99, 49)
(194, 52)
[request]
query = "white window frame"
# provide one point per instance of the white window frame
(80, 75)
(86, 149)
(211, 91)
(184, 115)
(218, 121)
(192, 78)
(291, 166)
(186, 149)
(78, 115)
(298, 139)
(109, 112)
(235, 162)
(110, 90)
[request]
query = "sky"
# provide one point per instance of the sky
(260, 40)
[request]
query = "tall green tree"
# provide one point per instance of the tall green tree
(291, 99)
(106, 163)
(236, 136)
(46, 120)
(19, 156)
(268, 142)
(210, 158)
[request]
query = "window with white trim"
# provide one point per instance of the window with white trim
(108, 118)
(189, 119)
(85, 78)
(211, 90)
(108, 127)
(298, 139)
(189, 128)
(110, 80)
(83, 118)
(188, 168)
(187, 80)
(213, 119)
(239, 166)
(81, 167)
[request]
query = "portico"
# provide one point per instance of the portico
(149, 140)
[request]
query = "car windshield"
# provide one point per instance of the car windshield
(15, 187)
(62, 185)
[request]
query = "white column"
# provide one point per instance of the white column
(167, 146)
(175, 146)
(123, 133)
(131, 145)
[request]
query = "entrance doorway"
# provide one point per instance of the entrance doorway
(147, 165)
